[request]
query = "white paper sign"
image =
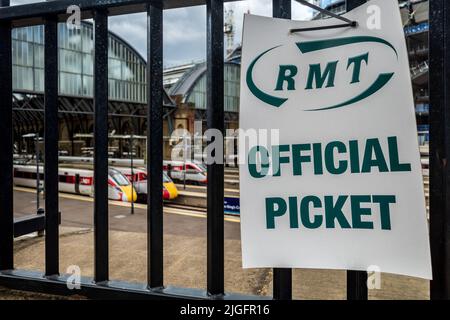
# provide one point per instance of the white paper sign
(340, 187)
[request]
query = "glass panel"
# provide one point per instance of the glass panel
(114, 69)
(39, 80)
(88, 64)
(88, 86)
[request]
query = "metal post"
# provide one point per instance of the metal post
(155, 145)
(215, 120)
(6, 147)
(51, 177)
(282, 277)
(38, 177)
(439, 55)
(184, 156)
(101, 272)
(132, 174)
(356, 280)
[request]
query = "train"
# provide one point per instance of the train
(78, 181)
(195, 170)
(139, 180)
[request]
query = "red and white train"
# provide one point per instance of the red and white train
(139, 181)
(195, 170)
(78, 181)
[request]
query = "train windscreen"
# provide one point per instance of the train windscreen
(166, 178)
(201, 165)
(119, 178)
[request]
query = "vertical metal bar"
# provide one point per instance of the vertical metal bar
(282, 283)
(215, 120)
(155, 256)
(51, 178)
(356, 280)
(38, 172)
(281, 9)
(132, 172)
(439, 87)
(357, 285)
(101, 272)
(282, 277)
(6, 147)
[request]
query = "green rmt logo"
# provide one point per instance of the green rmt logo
(319, 76)
(287, 73)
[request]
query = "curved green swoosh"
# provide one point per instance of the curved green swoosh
(379, 83)
(310, 46)
(267, 98)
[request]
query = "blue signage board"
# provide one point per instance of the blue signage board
(231, 205)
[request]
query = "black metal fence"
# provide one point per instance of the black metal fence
(49, 14)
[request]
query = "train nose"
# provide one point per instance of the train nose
(129, 194)
(171, 190)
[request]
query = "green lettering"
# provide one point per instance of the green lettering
(334, 212)
(356, 61)
(252, 162)
(317, 152)
(385, 214)
(357, 212)
(316, 74)
(354, 156)
(272, 212)
(298, 158)
(329, 157)
(286, 74)
(373, 147)
(304, 211)
(293, 212)
(393, 157)
(277, 159)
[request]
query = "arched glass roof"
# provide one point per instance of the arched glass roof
(126, 68)
(192, 86)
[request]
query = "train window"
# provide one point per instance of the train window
(201, 166)
(66, 179)
(27, 175)
(166, 178)
(191, 169)
(120, 179)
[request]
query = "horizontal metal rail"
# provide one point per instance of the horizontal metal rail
(30, 223)
(35, 13)
(58, 285)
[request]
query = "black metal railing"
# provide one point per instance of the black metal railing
(49, 14)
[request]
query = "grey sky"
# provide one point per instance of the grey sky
(184, 29)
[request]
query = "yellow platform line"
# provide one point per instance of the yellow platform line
(177, 211)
